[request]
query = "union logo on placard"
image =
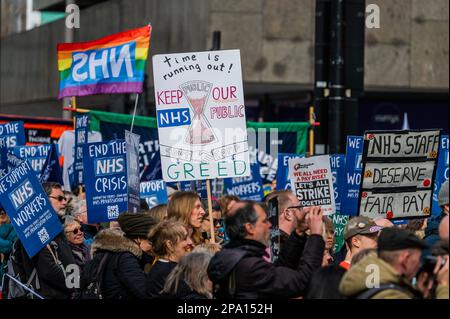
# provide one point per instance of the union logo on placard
(426, 210)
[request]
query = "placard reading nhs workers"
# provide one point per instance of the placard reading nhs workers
(399, 169)
(28, 208)
(201, 115)
(105, 176)
(312, 182)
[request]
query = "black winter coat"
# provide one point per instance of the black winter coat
(52, 276)
(239, 270)
(123, 276)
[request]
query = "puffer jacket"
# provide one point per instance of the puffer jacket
(353, 283)
(123, 276)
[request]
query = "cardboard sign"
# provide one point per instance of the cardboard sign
(132, 147)
(29, 208)
(81, 137)
(337, 164)
(246, 188)
(312, 182)
(398, 174)
(395, 175)
(12, 134)
(36, 155)
(154, 193)
(339, 222)
(353, 169)
(200, 113)
(283, 181)
(404, 144)
(441, 174)
(105, 175)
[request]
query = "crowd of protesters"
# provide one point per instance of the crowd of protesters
(168, 252)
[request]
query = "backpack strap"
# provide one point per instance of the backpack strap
(369, 293)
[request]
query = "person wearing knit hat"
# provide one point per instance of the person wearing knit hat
(123, 252)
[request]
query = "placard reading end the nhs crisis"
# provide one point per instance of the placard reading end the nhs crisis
(105, 176)
(28, 208)
(201, 115)
(399, 169)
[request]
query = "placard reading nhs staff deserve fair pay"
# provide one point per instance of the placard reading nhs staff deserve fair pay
(201, 115)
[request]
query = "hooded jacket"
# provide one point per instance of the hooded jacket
(354, 281)
(123, 276)
(240, 271)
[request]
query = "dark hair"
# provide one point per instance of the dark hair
(235, 221)
(49, 186)
(143, 204)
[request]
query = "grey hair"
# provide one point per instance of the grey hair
(235, 221)
(69, 220)
(192, 269)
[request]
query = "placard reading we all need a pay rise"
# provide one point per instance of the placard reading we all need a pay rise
(201, 115)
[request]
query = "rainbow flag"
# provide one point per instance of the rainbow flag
(114, 64)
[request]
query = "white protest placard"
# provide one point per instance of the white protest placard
(399, 169)
(201, 115)
(312, 182)
(403, 144)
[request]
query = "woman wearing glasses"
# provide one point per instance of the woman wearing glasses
(75, 239)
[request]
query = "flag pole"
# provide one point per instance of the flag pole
(74, 107)
(211, 219)
(134, 112)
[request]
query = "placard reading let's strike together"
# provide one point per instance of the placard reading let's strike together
(312, 182)
(201, 115)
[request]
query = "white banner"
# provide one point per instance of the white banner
(201, 115)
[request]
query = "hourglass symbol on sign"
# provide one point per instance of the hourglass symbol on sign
(197, 93)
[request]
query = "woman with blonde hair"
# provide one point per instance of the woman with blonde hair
(189, 279)
(170, 242)
(187, 208)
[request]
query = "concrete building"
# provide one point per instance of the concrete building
(406, 59)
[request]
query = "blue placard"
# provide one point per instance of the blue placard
(81, 137)
(154, 192)
(353, 169)
(283, 181)
(246, 188)
(28, 208)
(132, 146)
(196, 186)
(441, 174)
(105, 176)
(12, 134)
(36, 155)
(52, 170)
(153, 171)
(337, 163)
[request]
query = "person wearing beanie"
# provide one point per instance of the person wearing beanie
(121, 252)
(432, 230)
(393, 269)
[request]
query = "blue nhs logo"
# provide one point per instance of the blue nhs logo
(174, 117)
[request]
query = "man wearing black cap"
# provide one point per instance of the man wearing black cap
(389, 275)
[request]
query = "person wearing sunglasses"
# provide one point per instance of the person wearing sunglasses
(75, 239)
(57, 198)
